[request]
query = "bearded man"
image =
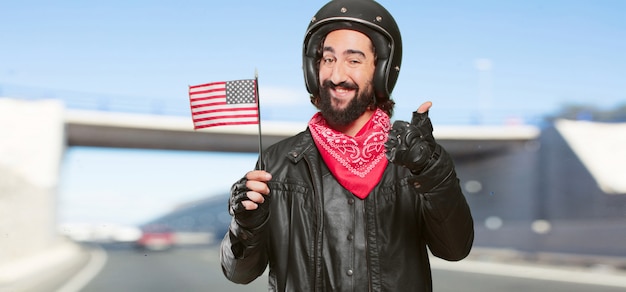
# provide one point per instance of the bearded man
(352, 203)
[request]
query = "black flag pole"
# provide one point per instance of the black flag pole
(258, 107)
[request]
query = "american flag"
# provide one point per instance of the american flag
(224, 103)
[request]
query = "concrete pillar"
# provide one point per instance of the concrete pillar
(32, 143)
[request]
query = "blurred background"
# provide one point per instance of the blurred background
(103, 177)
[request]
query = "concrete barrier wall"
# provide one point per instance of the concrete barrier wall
(32, 143)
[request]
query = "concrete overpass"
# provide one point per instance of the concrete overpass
(121, 130)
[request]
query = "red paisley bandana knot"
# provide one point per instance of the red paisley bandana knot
(356, 162)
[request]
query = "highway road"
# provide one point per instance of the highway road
(124, 268)
(178, 269)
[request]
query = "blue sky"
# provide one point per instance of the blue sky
(491, 61)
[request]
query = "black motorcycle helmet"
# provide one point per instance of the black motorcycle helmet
(367, 17)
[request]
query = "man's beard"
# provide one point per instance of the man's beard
(355, 108)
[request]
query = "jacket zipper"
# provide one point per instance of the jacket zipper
(367, 254)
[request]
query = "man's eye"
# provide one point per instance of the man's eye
(354, 62)
(328, 61)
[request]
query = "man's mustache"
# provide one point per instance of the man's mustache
(344, 84)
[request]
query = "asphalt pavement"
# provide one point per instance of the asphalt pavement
(58, 268)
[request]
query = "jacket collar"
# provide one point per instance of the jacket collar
(301, 147)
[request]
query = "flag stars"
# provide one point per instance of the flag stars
(240, 91)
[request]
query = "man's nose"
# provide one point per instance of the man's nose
(338, 75)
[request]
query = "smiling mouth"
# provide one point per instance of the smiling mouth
(342, 92)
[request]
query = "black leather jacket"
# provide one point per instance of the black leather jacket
(320, 237)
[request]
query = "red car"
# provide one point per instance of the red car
(156, 237)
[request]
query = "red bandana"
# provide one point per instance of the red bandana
(356, 162)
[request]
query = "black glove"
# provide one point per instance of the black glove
(249, 219)
(411, 145)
